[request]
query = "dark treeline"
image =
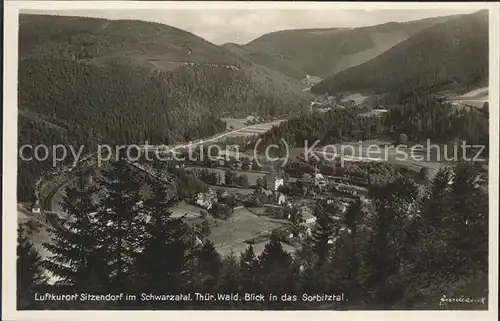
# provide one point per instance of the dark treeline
(67, 102)
(433, 118)
(417, 118)
(405, 249)
(330, 127)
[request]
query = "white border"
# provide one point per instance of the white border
(9, 214)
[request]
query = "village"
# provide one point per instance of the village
(242, 202)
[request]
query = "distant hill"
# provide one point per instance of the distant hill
(161, 50)
(85, 65)
(267, 60)
(449, 55)
(86, 80)
(90, 39)
(324, 52)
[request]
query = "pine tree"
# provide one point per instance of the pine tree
(76, 255)
(230, 276)
(325, 230)
(387, 246)
(162, 265)
(277, 272)
(248, 270)
(30, 272)
(346, 256)
(469, 219)
(121, 220)
(208, 265)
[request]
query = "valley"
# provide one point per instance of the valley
(223, 196)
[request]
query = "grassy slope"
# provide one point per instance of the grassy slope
(453, 53)
(267, 60)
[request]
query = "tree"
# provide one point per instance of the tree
(296, 219)
(260, 182)
(469, 218)
(230, 275)
(452, 235)
(248, 270)
(424, 174)
(76, 256)
(255, 165)
(221, 211)
(208, 266)
(204, 229)
(230, 177)
(159, 266)
(346, 259)
(486, 107)
(276, 272)
(385, 250)
(30, 272)
(325, 230)
(403, 139)
(244, 181)
(121, 221)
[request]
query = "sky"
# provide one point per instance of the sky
(242, 26)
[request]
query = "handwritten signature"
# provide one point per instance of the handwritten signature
(462, 299)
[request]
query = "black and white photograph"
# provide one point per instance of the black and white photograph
(272, 158)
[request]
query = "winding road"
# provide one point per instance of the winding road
(50, 204)
(218, 137)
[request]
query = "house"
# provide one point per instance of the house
(319, 180)
(374, 113)
(237, 164)
(206, 200)
(35, 208)
(273, 182)
(270, 197)
(281, 199)
(348, 189)
(277, 183)
(246, 164)
(351, 189)
(307, 215)
(221, 161)
(249, 119)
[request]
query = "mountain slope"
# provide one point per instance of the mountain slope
(85, 81)
(453, 54)
(324, 52)
(263, 59)
(91, 38)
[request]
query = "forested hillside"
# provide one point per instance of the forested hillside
(418, 118)
(450, 55)
(406, 249)
(323, 52)
(45, 36)
(264, 59)
(84, 81)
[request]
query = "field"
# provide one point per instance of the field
(240, 129)
(475, 98)
(381, 43)
(231, 235)
(234, 190)
(357, 98)
(252, 176)
(367, 150)
(187, 210)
